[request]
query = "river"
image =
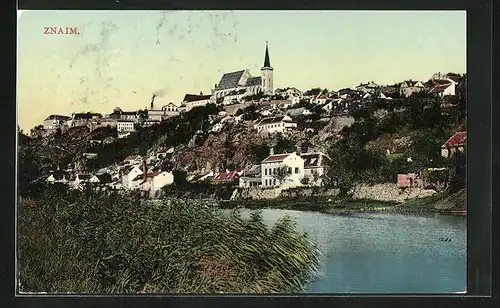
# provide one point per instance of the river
(383, 253)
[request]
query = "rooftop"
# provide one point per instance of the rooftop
(457, 139)
(276, 158)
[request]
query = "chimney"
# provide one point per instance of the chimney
(201, 92)
(271, 151)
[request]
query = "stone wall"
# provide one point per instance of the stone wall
(309, 192)
(389, 192)
(258, 194)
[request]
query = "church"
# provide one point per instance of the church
(236, 85)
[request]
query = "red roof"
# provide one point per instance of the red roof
(226, 176)
(322, 96)
(152, 174)
(275, 158)
(456, 140)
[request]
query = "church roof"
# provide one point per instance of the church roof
(230, 80)
(253, 81)
(267, 62)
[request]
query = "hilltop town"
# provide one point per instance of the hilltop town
(247, 140)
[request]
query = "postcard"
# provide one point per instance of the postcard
(241, 152)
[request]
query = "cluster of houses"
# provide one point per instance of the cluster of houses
(284, 170)
(437, 177)
(236, 87)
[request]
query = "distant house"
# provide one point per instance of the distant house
(192, 100)
(167, 111)
(271, 166)
(226, 177)
(289, 92)
(410, 87)
(251, 177)
(83, 119)
(234, 96)
(55, 121)
(369, 87)
(321, 99)
(130, 175)
(302, 111)
(131, 160)
(275, 124)
(315, 166)
(444, 89)
(454, 144)
(155, 181)
(125, 127)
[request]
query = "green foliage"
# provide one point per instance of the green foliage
(91, 242)
(249, 113)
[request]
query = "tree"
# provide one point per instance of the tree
(180, 178)
(143, 117)
(281, 174)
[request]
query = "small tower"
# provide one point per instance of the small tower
(267, 74)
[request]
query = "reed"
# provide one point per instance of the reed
(97, 242)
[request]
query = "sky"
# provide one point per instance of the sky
(120, 58)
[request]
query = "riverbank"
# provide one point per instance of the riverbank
(338, 205)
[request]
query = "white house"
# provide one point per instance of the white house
(55, 121)
(234, 97)
(292, 163)
(94, 179)
(132, 160)
(251, 177)
(275, 124)
(444, 89)
(124, 127)
(130, 175)
(315, 166)
(167, 111)
(409, 87)
(192, 100)
(156, 181)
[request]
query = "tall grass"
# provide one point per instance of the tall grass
(92, 242)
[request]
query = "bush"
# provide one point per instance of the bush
(96, 242)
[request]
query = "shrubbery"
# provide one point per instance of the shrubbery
(97, 242)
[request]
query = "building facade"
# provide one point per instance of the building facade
(274, 164)
(275, 125)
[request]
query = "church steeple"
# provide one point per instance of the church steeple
(267, 75)
(267, 63)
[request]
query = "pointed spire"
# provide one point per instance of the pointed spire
(267, 63)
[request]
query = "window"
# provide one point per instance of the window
(290, 170)
(266, 182)
(265, 171)
(296, 169)
(274, 182)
